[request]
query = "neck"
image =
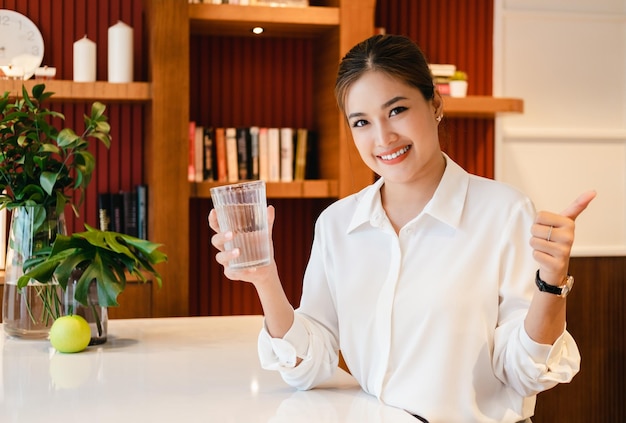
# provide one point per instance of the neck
(404, 201)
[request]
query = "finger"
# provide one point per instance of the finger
(213, 223)
(573, 210)
(271, 215)
(219, 239)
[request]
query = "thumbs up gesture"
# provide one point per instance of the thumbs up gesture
(553, 237)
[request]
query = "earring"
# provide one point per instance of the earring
(439, 117)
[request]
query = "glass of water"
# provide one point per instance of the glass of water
(242, 209)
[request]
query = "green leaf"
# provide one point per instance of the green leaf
(97, 110)
(47, 181)
(38, 91)
(67, 137)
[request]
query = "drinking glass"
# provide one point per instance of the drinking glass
(242, 209)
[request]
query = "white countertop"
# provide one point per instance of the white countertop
(192, 369)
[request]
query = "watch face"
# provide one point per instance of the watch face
(21, 44)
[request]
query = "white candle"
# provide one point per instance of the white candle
(84, 60)
(120, 53)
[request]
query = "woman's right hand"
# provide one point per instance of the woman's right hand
(254, 275)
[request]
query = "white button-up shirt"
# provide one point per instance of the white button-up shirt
(430, 320)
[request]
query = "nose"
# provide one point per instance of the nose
(385, 134)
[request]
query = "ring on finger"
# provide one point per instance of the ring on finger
(549, 233)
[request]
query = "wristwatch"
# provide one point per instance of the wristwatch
(561, 291)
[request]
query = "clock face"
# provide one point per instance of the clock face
(21, 43)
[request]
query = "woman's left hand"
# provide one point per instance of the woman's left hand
(553, 237)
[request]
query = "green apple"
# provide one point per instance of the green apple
(70, 334)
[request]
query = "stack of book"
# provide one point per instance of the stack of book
(441, 76)
(249, 153)
(124, 212)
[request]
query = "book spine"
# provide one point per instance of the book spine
(198, 154)
(232, 163)
(117, 212)
(142, 211)
(220, 152)
(243, 149)
(254, 172)
(264, 168)
(130, 212)
(208, 174)
(301, 153)
(286, 154)
(274, 154)
(104, 211)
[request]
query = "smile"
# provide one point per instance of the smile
(396, 154)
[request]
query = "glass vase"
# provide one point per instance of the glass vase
(30, 311)
(95, 314)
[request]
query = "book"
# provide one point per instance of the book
(273, 136)
(198, 154)
(142, 211)
(264, 169)
(232, 162)
(104, 211)
(301, 154)
(117, 212)
(220, 153)
(208, 174)
(191, 167)
(442, 69)
(253, 169)
(286, 154)
(129, 202)
(243, 153)
(311, 168)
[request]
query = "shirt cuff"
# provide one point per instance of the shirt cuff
(282, 353)
(544, 353)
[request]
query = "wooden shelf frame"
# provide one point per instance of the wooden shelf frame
(481, 106)
(70, 91)
(232, 20)
(313, 188)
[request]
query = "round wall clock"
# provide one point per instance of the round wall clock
(21, 44)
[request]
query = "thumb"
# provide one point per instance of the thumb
(573, 210)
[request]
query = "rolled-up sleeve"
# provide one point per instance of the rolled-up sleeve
(304, 340)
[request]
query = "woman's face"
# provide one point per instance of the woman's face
(393, 126)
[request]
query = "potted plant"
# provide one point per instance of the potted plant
(41, 171)
(458, 84)
(92, 268)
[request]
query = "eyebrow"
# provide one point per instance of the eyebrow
(384, 106)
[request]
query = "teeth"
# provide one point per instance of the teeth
(396, 154)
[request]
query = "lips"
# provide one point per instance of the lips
(395, 154)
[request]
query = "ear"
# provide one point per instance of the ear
(437, 103)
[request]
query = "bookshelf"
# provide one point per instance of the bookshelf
(333, 25)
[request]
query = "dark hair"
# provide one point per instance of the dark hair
(395, 55)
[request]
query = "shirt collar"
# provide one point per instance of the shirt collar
(446, 205)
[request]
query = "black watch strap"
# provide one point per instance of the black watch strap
(551, 289)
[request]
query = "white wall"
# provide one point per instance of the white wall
(567, 60)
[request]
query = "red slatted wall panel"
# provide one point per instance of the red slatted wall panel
(458, 32)
(244, 82)
(119, 168)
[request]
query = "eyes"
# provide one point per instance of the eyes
(359, 123)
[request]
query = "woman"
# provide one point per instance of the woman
(424, 280)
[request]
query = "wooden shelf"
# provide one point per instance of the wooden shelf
(232, 20)
(481, 106)
(70, 91)
(317, 188)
